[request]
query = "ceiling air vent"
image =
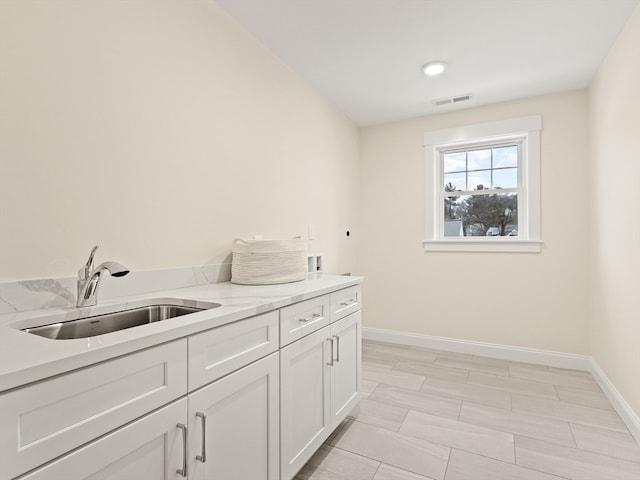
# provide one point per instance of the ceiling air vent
(447, 101)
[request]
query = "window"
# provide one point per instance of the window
(483, 187)
(480, 190)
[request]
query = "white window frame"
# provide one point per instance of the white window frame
(524, 130)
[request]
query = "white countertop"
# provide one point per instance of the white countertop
(25, 358)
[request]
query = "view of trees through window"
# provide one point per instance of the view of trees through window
(481, 192)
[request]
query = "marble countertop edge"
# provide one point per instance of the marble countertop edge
(27, 358)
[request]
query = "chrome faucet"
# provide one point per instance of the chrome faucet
(89, 279)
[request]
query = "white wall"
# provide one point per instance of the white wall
(614, 132)
(160, 130)
(526, 300)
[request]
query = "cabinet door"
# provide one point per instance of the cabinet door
(305, 400)
(151, 448)
(346, 370)
(234, 425)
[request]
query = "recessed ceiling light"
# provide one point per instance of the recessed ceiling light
(434, 68)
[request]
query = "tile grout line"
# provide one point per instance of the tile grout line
(544, 472)
(578, 449)
(573, 435)
(532, 437)
(376, 472)
(511, 394)
(446, 467)
(380, 462)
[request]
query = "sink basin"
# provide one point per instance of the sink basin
(91, 326)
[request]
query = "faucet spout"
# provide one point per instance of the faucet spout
(89, 279)
(114, 269)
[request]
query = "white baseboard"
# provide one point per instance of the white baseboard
(516, 354)
(629, 417)
(504, 352)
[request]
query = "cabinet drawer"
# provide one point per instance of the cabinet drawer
(44, 420)
(345, 302)
(217, 352)
(150, 448)
(302, 318)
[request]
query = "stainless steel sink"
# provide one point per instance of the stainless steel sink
(91, 326)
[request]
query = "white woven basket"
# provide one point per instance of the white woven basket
(265, 262)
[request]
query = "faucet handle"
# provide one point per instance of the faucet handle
(84, 272)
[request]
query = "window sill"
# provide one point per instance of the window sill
(483, 245)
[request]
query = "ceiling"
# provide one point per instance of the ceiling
(365, 56)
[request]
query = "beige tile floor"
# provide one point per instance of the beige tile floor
(430, 414)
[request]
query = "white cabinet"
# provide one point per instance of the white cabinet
(151, 448)
(320, 381)
(346, 381)
(234, 425)
(250, 400)
(305, 400)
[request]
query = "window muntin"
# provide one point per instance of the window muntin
(479, 190)
(481, 168)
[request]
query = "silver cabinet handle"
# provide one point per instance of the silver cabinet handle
(330, 362)
(308, 319)
(337, 337)
(203, 456)
(183, 471)
(348, 302)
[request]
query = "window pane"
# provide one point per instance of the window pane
(479, 159)
(451, 207)
(455, 162)
(454, 181)
(506, 178)
(481, 215)
(479, 180)
(505, 156)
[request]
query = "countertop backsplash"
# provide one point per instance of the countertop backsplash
(25, 295)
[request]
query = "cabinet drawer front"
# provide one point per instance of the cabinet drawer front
(44, 420)
(301, 319)
(149, 448)
(345, 302)
(217, 352)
